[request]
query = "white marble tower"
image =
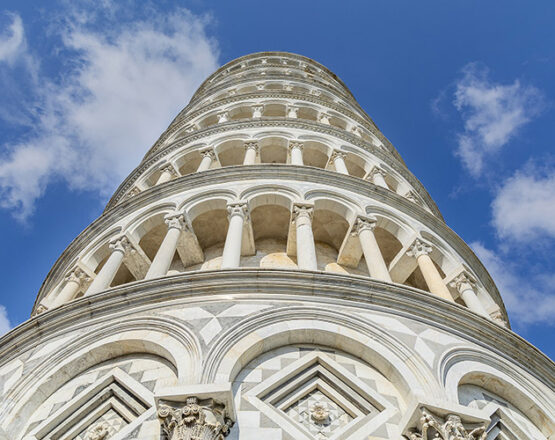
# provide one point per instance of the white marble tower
(271, 270)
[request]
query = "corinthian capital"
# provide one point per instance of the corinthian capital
(78, 276)
(168, 168)
(448, 428)
(364, 223)
(377, 170)
(303, 210)
(463, 281)
(208, 152)
(175, 220)
(251, 144)
(238, 208)
(196, 419)
(419, 248)
(338, 155)
(121, 244)
(296, 144)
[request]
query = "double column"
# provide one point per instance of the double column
(238, 214)
(119, 246)
(364, 228)
(164, 257)
(421, 250)
(306, 251)
(465, 285)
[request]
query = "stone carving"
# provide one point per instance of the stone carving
(196, 420)
(251, 144)
(300, 211)
(175, 220)
(238, 208)
(463, 281)
(319, 413)
(98, 432)
(419, 248)
(452, 428)
(78, 276)
(41, 308)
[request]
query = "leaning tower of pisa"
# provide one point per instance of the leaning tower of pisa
(271, 270)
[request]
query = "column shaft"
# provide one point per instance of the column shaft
(250, 156)
(373, 255)
(232, 249)
(166, 175)
(106, 275)
(297, 154)
(378, 179)
(432, 277)
(165, 254)
(473, 303)
(205, 163)
(67, 293)
(339, 163)
(306, 250)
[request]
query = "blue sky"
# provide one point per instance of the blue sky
(463, 89)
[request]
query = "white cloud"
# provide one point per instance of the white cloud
(524, 207)
(5, 325)
(528, 298)
(12, 40)
(492, 113)
(126, 84)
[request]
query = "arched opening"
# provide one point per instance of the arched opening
(231, 152)
(315, 154)
(188, 163)
(273, 150)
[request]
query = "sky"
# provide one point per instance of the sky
(463, 89)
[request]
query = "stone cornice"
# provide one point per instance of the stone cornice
(181, 123)
(275, 122)
(272, 173)
(270, 285)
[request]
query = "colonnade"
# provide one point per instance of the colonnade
(301, 244)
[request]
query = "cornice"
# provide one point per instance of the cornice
(272, 173)
(285, 285)
(275, 122)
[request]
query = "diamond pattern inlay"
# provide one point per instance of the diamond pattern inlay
(319, 414)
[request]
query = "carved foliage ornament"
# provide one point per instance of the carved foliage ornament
(194, 420)
(451, 428)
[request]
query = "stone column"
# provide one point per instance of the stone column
(166, 252)
(464, 283)
(238, 213)
(324, 118)
(377, 268)
(74, 281)
(251, 150)
(292, 112)
(377, 176)
(106, 275)
(260, 86)
(306, 250)
(296, 149)
(222, 117)
(257, 111)
(338, 159)
(196, 419)
(356, 130)
(167, 173)
(420, 250)
(207, 157)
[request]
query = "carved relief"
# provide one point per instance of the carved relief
(450, 428)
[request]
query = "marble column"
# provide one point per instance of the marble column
(465, 285)
(420, 250)
(167, 173)
(104, 278)
(377, 268)
(296, 149)
(208, 157)
(338, 159)
(257, 111)
(251, 151)
(324, 118)
(222, 117)
(74, 281)
(238, 213)
(377, 176)
(292, 112)
(164, 257)
(356, 130)
(306, 250)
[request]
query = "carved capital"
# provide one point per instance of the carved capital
(168, 168)
(260, 86)
(257, 110)
(448, 428)
(208, 152)
(222, 117)
(252, 144)
(419, 248)
(175, 220)
(121, 244)
(364, 223)
(195, 419)
(292, 112)
(377, 170)
(296, 144)
(357, 130)
(238, 208)
(78, 276)
(41, 308)
(338, 155)
(463, 281)
(133, 192)
(288, 87)
(411, 195)
(305, 211)
(324, 118)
